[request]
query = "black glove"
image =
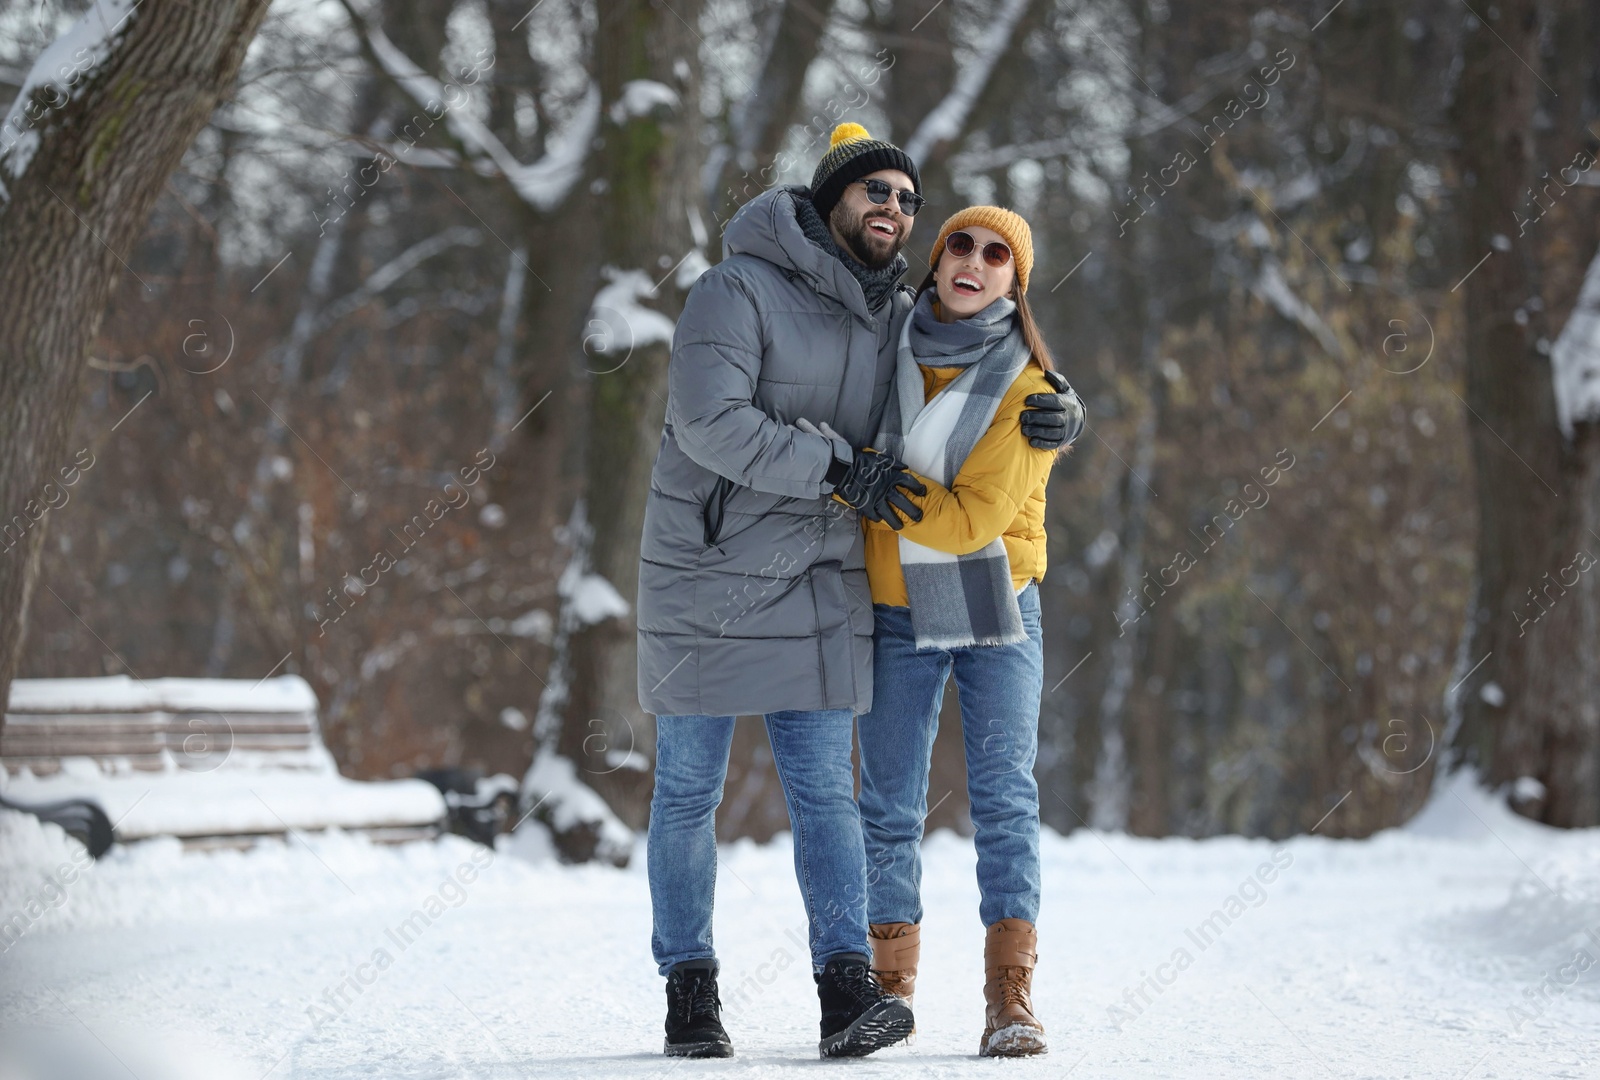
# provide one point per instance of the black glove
(895, 509)
(872, 483)
(1052, 421)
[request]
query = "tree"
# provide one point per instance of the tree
(742, 167)
(99, 126)
(1531, 707)
(648, 236)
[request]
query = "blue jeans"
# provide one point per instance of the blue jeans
(999, 688)
(812, 753)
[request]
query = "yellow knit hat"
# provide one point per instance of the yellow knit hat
(1011, 227)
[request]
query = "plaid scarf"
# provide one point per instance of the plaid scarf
(956, 600)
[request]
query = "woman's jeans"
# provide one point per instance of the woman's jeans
(812, 754)
(999, 688)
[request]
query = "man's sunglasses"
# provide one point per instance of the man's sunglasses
(960, 244)
(879, 192)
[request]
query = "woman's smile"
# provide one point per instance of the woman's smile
(967, 283)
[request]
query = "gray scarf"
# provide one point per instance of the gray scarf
(956, 600)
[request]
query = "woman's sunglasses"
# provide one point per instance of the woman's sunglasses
(960, 245)
(878, 192)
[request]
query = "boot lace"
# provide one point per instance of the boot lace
(698, 997)
(893, 982)
(1014, 988)
(855, 981)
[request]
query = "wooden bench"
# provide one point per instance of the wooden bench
(212, 761)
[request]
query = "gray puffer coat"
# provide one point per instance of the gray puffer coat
(753, 590)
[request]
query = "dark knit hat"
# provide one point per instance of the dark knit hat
(852, 154)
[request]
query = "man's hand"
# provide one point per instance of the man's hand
(874, 483)
(1052, 421)
(894, 509)
(868, 480)
(871, 482)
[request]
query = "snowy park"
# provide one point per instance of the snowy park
(1460, 946)
(660, 538)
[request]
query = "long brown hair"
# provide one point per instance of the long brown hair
(1032, 336)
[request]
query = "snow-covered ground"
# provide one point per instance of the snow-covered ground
(1461, 946)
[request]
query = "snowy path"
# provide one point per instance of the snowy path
(1400, 956)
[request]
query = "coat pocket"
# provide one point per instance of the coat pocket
(715, 504)
(835, 642)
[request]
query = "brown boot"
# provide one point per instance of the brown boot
(895, 949)
(1010, 949)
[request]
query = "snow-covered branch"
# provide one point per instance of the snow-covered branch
(642, 97)
(391, 271)
(624, 324)
(946, 120)
(1272, 287)
(545, 183)
(66, 65)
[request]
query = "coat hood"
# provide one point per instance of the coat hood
(766, 227)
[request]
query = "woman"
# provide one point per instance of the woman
(955, 587)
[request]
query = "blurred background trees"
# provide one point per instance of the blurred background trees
(1295, 256)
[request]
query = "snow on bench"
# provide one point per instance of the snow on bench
(208, 760)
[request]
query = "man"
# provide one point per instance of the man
(753, 594)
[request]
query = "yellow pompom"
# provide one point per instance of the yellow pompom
(847, 132)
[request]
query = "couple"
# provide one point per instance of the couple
(847, 504)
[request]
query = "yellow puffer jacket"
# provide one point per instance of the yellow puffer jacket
(998, 492)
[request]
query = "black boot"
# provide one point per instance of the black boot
(858, 1015)
(694, 1020)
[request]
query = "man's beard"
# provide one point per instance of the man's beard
(859, 240)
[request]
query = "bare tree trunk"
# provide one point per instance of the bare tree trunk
(933, 105)
(1531, 712)
(973, 92)
(737, 172)
(924, 63)
(1112, 788)
(100, 160)
(649, 164)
